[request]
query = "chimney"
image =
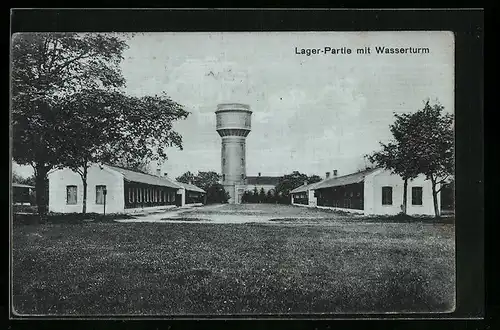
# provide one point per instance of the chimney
(334, 172)
(259, 173)
(158, 172)
(327, 175)
(305, 182)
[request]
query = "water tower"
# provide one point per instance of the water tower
(233, 126)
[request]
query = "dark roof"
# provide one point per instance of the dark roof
(20, 185)
(345, 179)
(336, 181)
(305, 187)
(263, 180)
(190, 187)
(140, 177)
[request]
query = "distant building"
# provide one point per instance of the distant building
(123, 190)
(262, 182)
(372, 191)
(21, 194)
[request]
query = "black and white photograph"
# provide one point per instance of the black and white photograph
(232, 173)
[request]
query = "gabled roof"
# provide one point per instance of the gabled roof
(345, 179)
(134, 176)
(335, 181)
(263, 180)
(190, 187)
(20, 185)
(305, 187)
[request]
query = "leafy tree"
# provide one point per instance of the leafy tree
(146, 126)
(262, 196)
(97, 128)
(217, 194)
(270, 196)
(135, 164)
(88, 128)
(45, 68)
(208, 181)
(205, 180)
(432, 142)
(186, 177)
(246, 197)
(291, 181)
(255, 195)
(423, 144)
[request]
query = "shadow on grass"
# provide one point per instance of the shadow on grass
(68, 218)
(404, 218)
(185, 219)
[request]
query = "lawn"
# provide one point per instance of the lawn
(192, 268)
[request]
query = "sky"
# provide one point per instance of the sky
(311, 114)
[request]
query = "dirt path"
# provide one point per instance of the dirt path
(240, 214)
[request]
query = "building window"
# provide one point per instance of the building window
(71, 195)
(223, 161)
(416, 196)
(386, 195)
(242, 162)
(99, 194)
(223, 177)
(242, 176)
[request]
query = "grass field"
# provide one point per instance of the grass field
(192, 268)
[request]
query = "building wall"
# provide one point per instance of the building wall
(251, 187)
(60, 179)
(373, 194)
(233, 163)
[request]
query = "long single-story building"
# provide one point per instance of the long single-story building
(262, 182)
(21, 193)
(120, 190)
(370, 192)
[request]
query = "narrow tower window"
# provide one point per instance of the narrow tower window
(223, 161)
(242, 162)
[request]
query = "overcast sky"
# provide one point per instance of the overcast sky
(310, 113)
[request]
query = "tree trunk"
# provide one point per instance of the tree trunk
(437, 212)
(40, 191)
(405, 196)
(84, 180)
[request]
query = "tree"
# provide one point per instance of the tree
(186, 177)
(432, 142)
(262, 195)
(97, 129)
(270, 196)
(246, 197)
(291, 181)
(208, 181)
(422, 144)
(45, 68)
(217, 194)
(255, 195)
(134, 164)
(205, 180)
(88, 128)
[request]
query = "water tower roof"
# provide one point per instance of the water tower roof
(233, 107)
